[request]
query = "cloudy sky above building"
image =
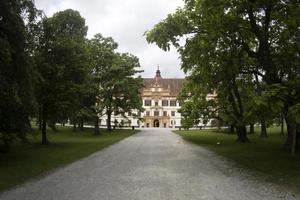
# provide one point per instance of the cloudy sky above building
(126, 21)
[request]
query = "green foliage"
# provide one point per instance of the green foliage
(17, 70)
(62, 65)
(195, 106)
(117, 88)
(245, 51)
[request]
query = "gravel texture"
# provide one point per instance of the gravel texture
(154, 164)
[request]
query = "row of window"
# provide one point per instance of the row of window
(157, 114)
(148, 102)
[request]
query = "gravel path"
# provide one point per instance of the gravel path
(153, 164)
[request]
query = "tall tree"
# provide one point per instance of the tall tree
(16, 68)
(61, 58)
(117, 89)
(266, 32)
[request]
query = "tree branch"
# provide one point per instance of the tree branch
(254, 26)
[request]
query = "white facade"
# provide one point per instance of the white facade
(168, 114)
(159, 103)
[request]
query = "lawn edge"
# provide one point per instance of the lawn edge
(48, 172)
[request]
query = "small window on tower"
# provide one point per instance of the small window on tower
(156, 103)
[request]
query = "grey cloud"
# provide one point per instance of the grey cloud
(126, 21)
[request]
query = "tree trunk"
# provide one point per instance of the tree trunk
(263, 127)
(251, 129)
(282, 125)
(74, 126)
(40, 118)
(81, 124)
(242, 134)
(97, 130)
(298, 137)
(231, 129)
(109, 121)
(291, 142)
(44, 126)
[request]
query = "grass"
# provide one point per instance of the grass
(26, 161)
(261, 155)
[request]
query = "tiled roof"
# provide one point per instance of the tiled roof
(175, 84)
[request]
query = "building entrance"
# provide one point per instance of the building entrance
(156, 123)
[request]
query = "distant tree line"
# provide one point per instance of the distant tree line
(51, 72)
(248, 52)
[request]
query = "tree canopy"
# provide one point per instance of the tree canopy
(62, 61)
(246, 51)
(117, 90)
(16, 68)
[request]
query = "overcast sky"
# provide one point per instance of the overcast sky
(126, 21)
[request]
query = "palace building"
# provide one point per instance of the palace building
(159, 101)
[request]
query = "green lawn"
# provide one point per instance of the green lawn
(26, 161)
(261, 155)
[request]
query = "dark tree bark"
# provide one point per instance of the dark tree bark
(242, 134)
(232, 129)
(297, 140)
(81, 125)
(251, 129)
(236, 103)
(263, 128)
(109, 120)
(40, 118)
(97, 130)
(74, 126)
(282, 124)
(291, 142)
(44, 125)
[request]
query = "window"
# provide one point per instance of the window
(147, 102)
(173, 113)
(165, 113)
(156, 103)
(165, 103)
(156, 113)
(147, 113)
(180, 103)
(173, 103)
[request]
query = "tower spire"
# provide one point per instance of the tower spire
(157, 75)
(157, 72)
